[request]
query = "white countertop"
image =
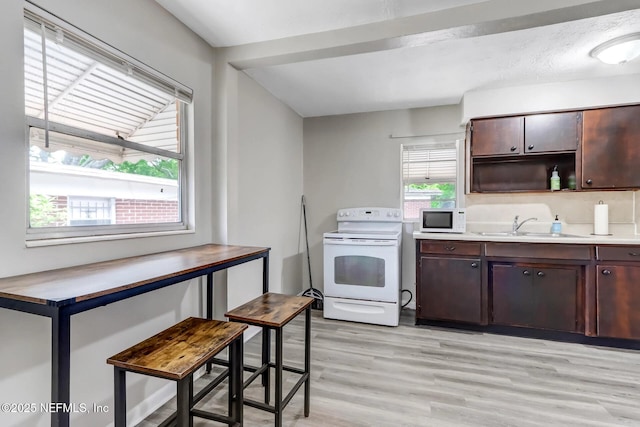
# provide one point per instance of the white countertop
(584, 239)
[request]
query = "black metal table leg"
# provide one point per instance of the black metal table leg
(120, 397)
(278, 375)
(265, 273)
(183, 416)
(307, 360)
(266, 359)
(236, 369)
(209, 296)
(209, 300)
(266, 332)
(60, 365)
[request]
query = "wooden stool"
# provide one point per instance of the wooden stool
(175, 354)
(274, 311)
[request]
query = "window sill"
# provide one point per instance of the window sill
(89, 239)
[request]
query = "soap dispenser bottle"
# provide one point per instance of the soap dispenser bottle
(556, 226)
(555, 179)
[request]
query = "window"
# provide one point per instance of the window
(106, 136)
(430, 176)
(90, 211)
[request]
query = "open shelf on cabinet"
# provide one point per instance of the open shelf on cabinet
(521, 173)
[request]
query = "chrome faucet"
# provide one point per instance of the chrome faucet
(516, 225)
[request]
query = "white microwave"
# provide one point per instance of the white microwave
(436, 220)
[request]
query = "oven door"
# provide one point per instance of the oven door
(362, 269)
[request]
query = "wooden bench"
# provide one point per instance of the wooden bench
(274, 311)
(175, 354)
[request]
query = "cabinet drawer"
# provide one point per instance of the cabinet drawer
(450, 247)
(618, 253)
(536, 250)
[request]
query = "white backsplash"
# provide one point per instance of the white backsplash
(495, 212)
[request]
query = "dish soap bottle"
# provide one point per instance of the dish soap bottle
(555, 179)
(556, 226)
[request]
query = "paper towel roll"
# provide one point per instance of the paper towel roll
(601, 219)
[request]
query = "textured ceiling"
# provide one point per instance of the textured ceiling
(344, 56)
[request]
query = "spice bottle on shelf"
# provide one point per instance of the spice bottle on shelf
(571, 181)
(555, 179)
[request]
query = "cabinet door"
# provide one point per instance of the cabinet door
(551, 132)
(449, 289)
(530, 296)
(617, 301)
(556, 298)
(610, 149)
(498, 136)
(512, 295)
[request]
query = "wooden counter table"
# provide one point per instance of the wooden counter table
(61, 293)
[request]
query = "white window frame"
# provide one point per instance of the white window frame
(141, 71)
(456, 141)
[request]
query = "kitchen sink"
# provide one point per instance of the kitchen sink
(525, 234)
(552, 235)
(498, 233)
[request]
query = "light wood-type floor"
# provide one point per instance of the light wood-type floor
(368, 375)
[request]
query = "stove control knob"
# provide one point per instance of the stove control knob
(340, 213)
(396, 214)
(347, 214)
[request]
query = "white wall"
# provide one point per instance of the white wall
(257, 184)
(267, 187)
(570, 95)
(350, 160)
(147, 32)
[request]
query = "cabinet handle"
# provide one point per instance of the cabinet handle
(540, 273)
(606, 272)
(450, 248)
(589, 181)
(526, 273)
(530, 147)
(513, 148)
(474, 265)
(634, 254)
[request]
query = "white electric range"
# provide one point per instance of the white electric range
(362, 265)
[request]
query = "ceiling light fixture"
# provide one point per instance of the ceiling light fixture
(619, 50)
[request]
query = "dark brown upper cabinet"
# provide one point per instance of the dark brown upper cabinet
(544, 133)
(519, 153)
(499, 136)
(531, 134)
(611, 148)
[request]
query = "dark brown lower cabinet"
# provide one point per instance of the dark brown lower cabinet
(449, 289)
(618, 301)
(534, 296)
(587, 289)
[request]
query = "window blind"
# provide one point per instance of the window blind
(104, 53)
(429, 162)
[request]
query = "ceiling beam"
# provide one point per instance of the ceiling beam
(475, 20)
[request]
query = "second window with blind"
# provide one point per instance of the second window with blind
(431, 176)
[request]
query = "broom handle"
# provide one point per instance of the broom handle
(306, 239)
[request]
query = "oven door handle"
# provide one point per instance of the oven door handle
(360, 242)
